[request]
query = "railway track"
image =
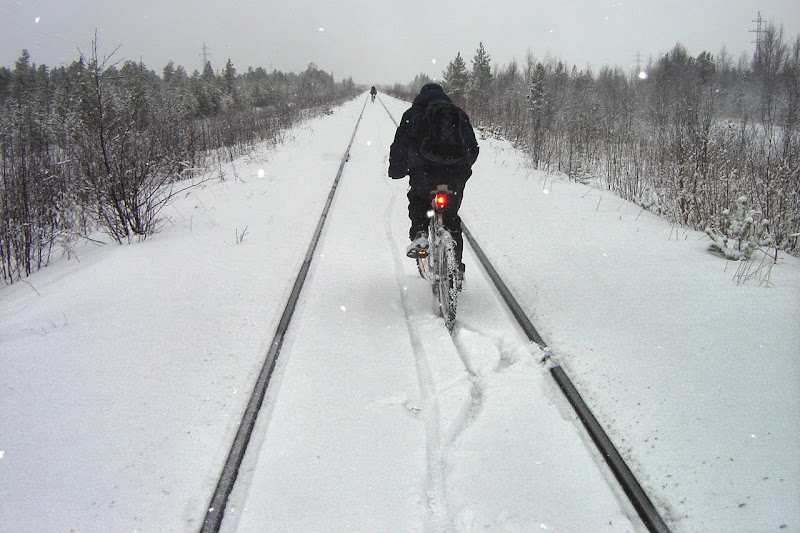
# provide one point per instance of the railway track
(631, 487)
(636, 494)
(230, 471)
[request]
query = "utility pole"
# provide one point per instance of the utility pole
(205, 55)
(758, 31)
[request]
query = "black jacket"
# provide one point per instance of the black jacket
(404, 156)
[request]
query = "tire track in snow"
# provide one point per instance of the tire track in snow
(446, 411)
(476, 376)
(435, 494)
(472, 408)
(429, 412)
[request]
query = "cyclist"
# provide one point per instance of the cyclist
(424, 175)
(373, 92)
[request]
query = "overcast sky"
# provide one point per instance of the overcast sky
(381, 41)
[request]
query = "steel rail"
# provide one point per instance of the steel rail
(636, 494)
(227, 479)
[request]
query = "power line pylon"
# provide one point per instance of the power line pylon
(205, 53)
(758, 31)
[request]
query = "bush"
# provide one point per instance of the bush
(738, 236)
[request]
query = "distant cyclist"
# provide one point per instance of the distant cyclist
(373, 92)
(410, 155)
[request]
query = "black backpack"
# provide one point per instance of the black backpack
(442, 138)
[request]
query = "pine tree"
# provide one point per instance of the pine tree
(420, 80)
(480, 80)
(456, 80)
(206, 93)
(229, 77)
(229, 88)
(5, 84)
(536, 90)
(208, 72)
(168, 72)
(23, 77)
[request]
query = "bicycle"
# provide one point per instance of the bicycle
(438, 264)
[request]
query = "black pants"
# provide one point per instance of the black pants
(419, 203)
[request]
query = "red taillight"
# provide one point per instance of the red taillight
(441, 200)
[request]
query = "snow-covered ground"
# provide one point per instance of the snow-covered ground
(125, 372)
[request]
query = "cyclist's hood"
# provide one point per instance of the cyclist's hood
(429, 93)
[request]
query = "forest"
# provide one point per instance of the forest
(707, 142)
(104, 144)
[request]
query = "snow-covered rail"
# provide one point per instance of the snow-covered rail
(216, 508)
(636, 494)
(638, 497)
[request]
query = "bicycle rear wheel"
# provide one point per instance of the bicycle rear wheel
(448, 279)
